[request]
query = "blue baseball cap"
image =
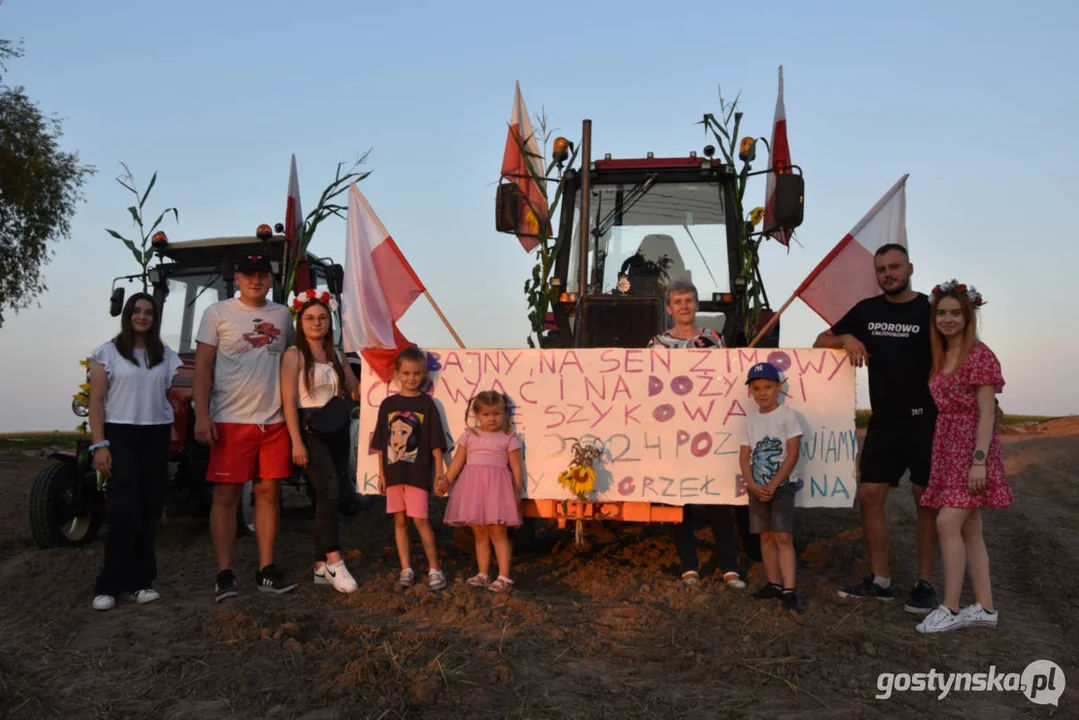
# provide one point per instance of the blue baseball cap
(763, 371)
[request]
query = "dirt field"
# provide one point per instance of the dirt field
(605, 633)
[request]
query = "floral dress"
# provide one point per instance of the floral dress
(956, 397)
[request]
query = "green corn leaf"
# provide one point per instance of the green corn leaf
(135, 215)
(148, 189)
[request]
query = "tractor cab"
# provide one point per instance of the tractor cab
(194, 274)
(646, 223)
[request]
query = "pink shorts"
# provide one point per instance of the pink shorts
(250, 452)
(407, 499)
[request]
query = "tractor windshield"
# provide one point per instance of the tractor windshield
(653, 233)
(189, 294)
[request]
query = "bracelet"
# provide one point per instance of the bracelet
(97, 446)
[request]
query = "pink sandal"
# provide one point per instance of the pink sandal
(502, 584)
(479, 580)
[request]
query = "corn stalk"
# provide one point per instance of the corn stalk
(725, 131)
(327, 206)
(538, 291)
(143, 252)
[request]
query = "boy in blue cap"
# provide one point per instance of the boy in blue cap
(770, 446)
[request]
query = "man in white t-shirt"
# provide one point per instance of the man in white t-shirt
(238, 414)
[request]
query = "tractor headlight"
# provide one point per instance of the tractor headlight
(80, 408)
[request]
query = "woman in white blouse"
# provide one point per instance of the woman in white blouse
(130, 430)
(312, 374)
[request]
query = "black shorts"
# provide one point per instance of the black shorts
(887, 453)
(776, 515)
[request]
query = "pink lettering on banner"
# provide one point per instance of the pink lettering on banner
(681, 385)
(735, 411)
(704, 356)
(512, 362)
(620, 386)
(655, 386)
(626, 486)
(591, 388)
(552, 410)
(699, 413)
(611, 364)
(804, 367)
(747, 360)
(633, 356)
(521, 392)
(660, 358)
(628, 414)
(663, 412)
(570, 359)
(839, 361)
(547, 362)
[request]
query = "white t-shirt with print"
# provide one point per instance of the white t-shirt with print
(247, 371)
(766, 436)
(137, 395)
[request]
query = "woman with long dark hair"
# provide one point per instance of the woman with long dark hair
(314, 380)
(130, 428)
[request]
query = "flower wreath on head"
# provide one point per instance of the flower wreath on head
(955, 286)
(307, 296)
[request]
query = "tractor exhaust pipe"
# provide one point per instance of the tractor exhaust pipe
(586, 195)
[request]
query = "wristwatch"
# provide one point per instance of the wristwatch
(979, 456)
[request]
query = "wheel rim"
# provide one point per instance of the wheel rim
(74, 526)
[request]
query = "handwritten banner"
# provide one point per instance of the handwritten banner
(670, 420)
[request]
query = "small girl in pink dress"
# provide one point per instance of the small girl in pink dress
(485, 475)
(967, 467)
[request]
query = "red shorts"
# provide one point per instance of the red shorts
(407, 499)
(250, 452)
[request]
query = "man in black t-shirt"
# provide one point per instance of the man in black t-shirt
(889, 334)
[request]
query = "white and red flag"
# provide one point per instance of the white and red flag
(294, 230)
(379, 287)
(781, 163)
(522, 163)
(846, 275)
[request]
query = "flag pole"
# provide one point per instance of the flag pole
(445, 322)
(775, 318)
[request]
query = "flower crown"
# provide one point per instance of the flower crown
(955, 286)
(307, 296)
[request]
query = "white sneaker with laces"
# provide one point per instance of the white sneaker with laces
(436, 580)
(147, 596)
(940, 620)
(977, 616)
(104, 602)
(733, 580)
(339, 576)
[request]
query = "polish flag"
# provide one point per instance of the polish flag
(781, 163)
(294, 230)
(846, 275)
(522, 168)
(379, 287)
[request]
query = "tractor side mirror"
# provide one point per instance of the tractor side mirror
(116, 302)
(335, 278)
(507, 207)
(789, 201)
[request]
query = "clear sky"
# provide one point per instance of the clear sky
(975, 100)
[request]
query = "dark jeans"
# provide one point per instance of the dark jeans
(721, 519)
(327, 469)
(135, 498)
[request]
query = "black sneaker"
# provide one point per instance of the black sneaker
(225, 587)
(769, 591)
(868, 589)
(791, 603)
(268, 579)
(922, 599)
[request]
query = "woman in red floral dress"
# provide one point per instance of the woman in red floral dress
(967, 471)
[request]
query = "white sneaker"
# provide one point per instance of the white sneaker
(977, 616)
(941, 620)
(104, 602)
(320, 575)
(339, 576)
(734, 581)
(146, 596)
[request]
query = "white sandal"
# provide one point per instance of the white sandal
(502, 584)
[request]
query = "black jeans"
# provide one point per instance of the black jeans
(721, 520)
(327, 469)
(135, 498)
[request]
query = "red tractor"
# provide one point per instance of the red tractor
(628, 228)
(67, 501)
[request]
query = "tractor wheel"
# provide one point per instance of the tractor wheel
(66, 508)
(245, 512)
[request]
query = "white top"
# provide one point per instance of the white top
(324, 385)
(766, 436)
(247, 372)
(137, 395)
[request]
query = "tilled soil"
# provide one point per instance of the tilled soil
(607, 631)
